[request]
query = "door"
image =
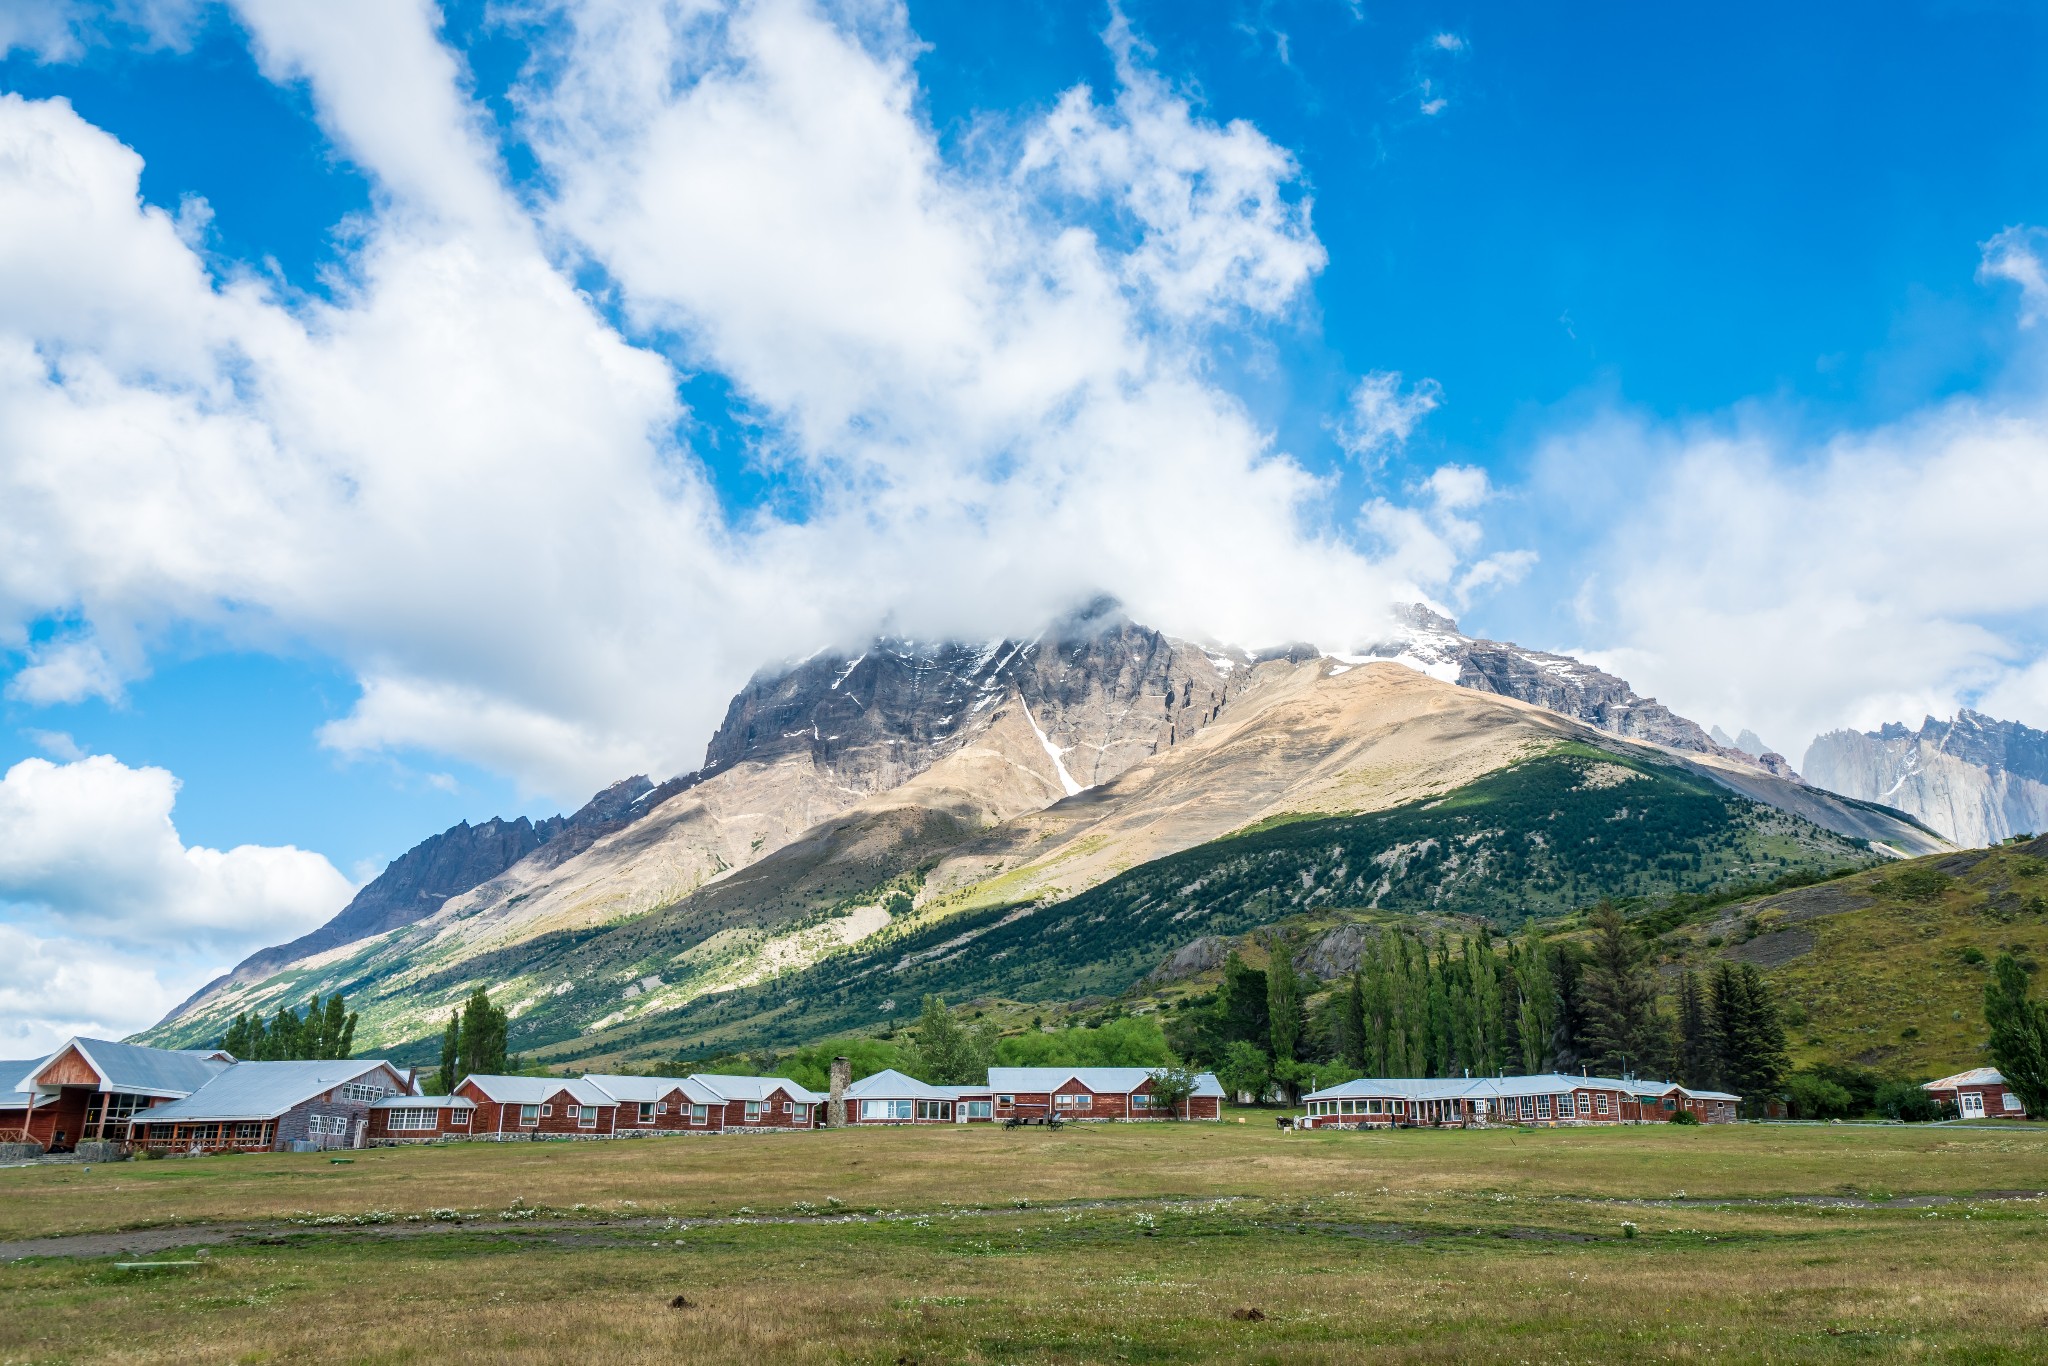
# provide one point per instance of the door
(1971, 1104)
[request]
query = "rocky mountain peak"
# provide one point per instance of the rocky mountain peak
(1976, 779)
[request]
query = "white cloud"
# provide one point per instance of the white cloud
(55, 743)
(1882, 576)
(1380, 418)
(1433, 539)
(2015, 256)
(1447, 42)
(90, 845)
(108, 918)
(985, 376)
(52, 989)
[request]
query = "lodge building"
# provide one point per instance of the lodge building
(1547, 1099)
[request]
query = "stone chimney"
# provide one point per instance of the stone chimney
(842, 1077)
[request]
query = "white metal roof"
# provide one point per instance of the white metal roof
(648, 1090)
(1459, 1088)
(138, 1070)
(1976, 1076)
(1101, 1080)
(893, 1085)
(754, 1088)
(510, 1090)
(425, 1103)
(265, 1090)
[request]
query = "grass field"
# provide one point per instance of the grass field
(1097, 1243)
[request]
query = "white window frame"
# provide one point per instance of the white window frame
(529, 1116)
(458, 1118)
(753, 1111)
(587, 1117)
(1074, 1100)
(1600, 1103)
(1141, 1100)
(548, 1110)
(1006, 1102)
(935, 1110)
(700, 1114)
(2012, 1102)
(1543, 1107)
(800, 1111)
(646, 1114)
(979, 1109)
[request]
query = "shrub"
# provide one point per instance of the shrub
(1916, 884)
(1906, 1101)
(1685, 1117)
(1815, 1097)
(1973, 955)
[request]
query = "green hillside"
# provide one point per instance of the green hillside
(1540, 837)
(1884, 969)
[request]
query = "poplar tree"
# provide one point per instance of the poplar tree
(451, 1052)
(2019, 1033)
(1283, 1003)
(1536, 1002)
(484, 1029)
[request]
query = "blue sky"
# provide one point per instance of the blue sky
(1717, 302)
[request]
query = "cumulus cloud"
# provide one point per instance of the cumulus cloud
(1880, 576)
(1432, 540)
(471, 480)
(111, 917)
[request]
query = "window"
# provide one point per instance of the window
(1141, 1101)
(1375, 1107)
(364, 1092)
(587, 1118)
(1671, 1102)
(574, 1112)
(1543, 1107)
(2012, 1102)
(1600, 1103)
(753, 1110)
(548, 1110)
(700, 1114)
(1565, 1108)
(408, 1119)
(1077, 1100)
(458, 1119)
(802, 1113)
(978, 1109)
(647, 1112)
(885, 1109)
(249, 1133)
(529, 1115)
(1399, 1107)
(786, 1107)
(1006, 1101)
(323, 1126)
(660, 1107)
(935, 1109)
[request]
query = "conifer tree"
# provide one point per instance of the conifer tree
(484, 1028)
(1699, 1034)
(1753, 1060)
(1623, 1032)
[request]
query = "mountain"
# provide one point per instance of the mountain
(1433, 644)
(917, 792)
(1975, 779)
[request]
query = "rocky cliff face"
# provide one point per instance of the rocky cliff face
(1976, 779)
(1432, 643)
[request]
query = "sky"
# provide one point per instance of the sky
(411, 414)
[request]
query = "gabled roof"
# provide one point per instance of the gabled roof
(894, 1085)
(265, 1090)
(647, 1090)
(135, 1069)
(425, 1103)
(509, 1090)
(11, 1096)
(1976, 1076)
(1101, 1080)
(753, 1088)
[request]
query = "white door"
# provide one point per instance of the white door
(1971, 1104)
